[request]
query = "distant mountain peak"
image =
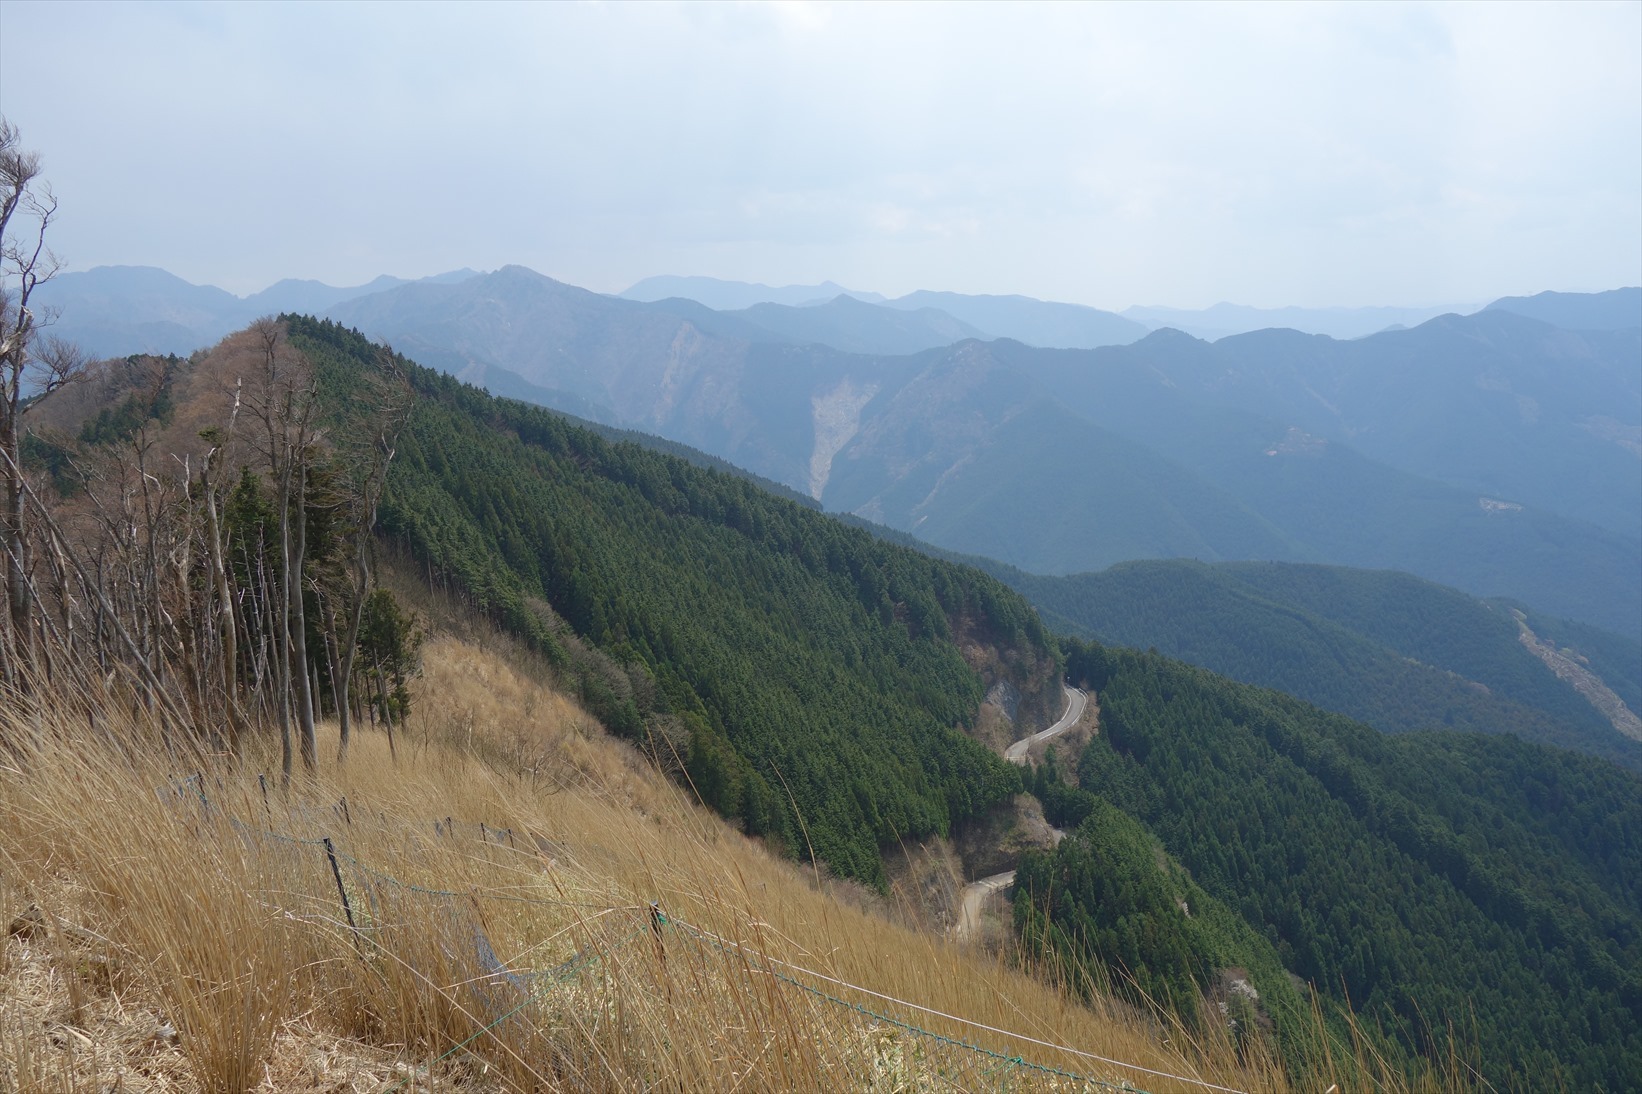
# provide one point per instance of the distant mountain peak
(1170, 336)
(722, 295)
(1615, 309)
(113, 311)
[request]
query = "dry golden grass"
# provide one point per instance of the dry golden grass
(512, 949)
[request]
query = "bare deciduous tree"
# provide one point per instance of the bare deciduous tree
(389, 394)
(30, 364)
(285, 401)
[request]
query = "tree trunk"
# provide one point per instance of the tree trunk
(350, 642)
(227, 632)
(19, 650)
(387, 711)
(299, 629)
(282, 642)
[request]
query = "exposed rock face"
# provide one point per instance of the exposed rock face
(1006, 697)
(996, 842)
(837, 417)
(1584, 681)
(1234, 996)
(1023, 688)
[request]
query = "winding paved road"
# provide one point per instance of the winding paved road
(1075, 702)
(976, 892)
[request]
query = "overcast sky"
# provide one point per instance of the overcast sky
(1098, 153)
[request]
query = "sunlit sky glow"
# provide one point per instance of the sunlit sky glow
(1106, 154)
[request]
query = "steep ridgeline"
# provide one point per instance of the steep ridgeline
(1493, 453)
(1463, 891)
(1386, 648)
(1616, 309)
(808, 678)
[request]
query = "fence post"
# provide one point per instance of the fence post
(656, 920)
(336, 872)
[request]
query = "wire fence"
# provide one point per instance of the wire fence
(864, 1039)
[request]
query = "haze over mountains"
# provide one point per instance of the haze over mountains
(112, 311)
(1224, 320)
(1035, 322)
(1491, 452)
(1499, 453)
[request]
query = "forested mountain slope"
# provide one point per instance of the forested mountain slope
(1457, 888)
(807, 666)
(855, 326)
(1060, 462)
(1382, 647)
(1493, 453)
(1495, 404)
(809, 678)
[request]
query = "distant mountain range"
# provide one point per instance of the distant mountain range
(1500, 453)
(1064, 326)
(1035, 322)
(854, 326)
(118, 310)
(736, 295)
(1224, 320)
(1494, 453)
(113, 311)
(1616, 309)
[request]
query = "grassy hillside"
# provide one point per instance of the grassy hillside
(808, 678)
(1382, 647)
(500, 873)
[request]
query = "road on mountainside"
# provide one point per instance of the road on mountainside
(1075, 702)
(975, 894)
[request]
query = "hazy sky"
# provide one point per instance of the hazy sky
(1099, 153)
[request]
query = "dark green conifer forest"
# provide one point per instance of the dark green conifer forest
(804, 675)
(1459, 890)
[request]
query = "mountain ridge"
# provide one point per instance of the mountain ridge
(1256, 438)
(110, 311)
(1388, 649)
